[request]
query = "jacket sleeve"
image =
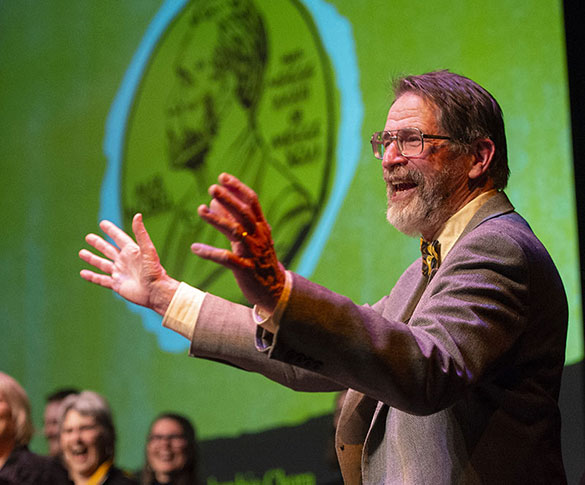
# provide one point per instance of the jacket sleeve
(464, 331)
(226, 332)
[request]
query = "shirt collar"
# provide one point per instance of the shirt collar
(100, 475)
(455, 225)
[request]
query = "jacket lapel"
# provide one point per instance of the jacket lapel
(352, 428)
(359, 411)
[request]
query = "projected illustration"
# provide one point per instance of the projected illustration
(241, 87)
(230, 88)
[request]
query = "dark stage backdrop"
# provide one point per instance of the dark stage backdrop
(112, 107)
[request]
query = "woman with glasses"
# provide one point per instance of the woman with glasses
(171, 452)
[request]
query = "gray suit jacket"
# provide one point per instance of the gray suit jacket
(454, 381)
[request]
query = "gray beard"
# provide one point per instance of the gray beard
(427, 208)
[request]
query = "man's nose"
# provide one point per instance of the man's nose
(392, 156)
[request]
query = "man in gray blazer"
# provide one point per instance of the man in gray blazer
(454, 376)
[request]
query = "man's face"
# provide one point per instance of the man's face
(423, 191)
(51, 426)
(82, 444)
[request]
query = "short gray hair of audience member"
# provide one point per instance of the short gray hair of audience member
(466, 112)
(19, 404)
(89, 403)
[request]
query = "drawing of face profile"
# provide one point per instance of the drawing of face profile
(211, 83)
(192, 119)
(240, 87)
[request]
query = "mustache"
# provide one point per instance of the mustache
(400, 174)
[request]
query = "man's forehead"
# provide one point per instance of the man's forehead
(52, 407)
(411, 110)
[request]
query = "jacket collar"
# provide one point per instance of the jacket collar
(498, 205)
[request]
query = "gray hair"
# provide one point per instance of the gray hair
(89, 403)
(466, 111)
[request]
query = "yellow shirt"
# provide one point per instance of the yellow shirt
(99, 476)
(454, 226)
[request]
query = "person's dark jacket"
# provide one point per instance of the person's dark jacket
(24, 467)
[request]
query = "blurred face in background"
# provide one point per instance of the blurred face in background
(51, 426)
(82, 445)
(7, 429)
(166, 450)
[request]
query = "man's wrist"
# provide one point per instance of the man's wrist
(162, 293)
(269, 320)
(268, 306)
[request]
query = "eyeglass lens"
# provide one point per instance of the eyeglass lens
(408, 140)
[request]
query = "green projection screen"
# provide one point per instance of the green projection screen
(113, 107)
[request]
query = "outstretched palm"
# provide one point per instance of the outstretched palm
(131, 269)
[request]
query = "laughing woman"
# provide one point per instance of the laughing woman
(88, 437)
(171, 452)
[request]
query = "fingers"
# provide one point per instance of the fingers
(101, 245)
(238, 209)
(221, 256)
(244, 194)
(99, 279)
(102, 264)
(220, 210)
(111, 253)
(223, 222)
(234, 209)
(118, 236)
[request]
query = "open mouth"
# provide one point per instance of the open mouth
(402, 186)
(79, 453)
(401, 189)
(165, 457)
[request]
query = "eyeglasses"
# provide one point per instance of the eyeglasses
(410, 141)
(174, 439)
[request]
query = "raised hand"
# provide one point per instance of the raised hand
(131, 269)
(236, 213)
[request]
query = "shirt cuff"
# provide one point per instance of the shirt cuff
(270, 321)
(183, 311)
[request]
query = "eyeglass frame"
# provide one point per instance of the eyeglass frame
(394, 137)
(178, 439)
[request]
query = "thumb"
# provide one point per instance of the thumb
(143, 238)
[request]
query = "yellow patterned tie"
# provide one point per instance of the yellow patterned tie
(430, 256)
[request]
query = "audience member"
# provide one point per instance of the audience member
(87, 438)
(171, 452)
(18, 465)
(51, 418)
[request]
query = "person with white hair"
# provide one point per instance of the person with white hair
(87, 438)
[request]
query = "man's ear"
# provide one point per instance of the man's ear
(482, 155)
